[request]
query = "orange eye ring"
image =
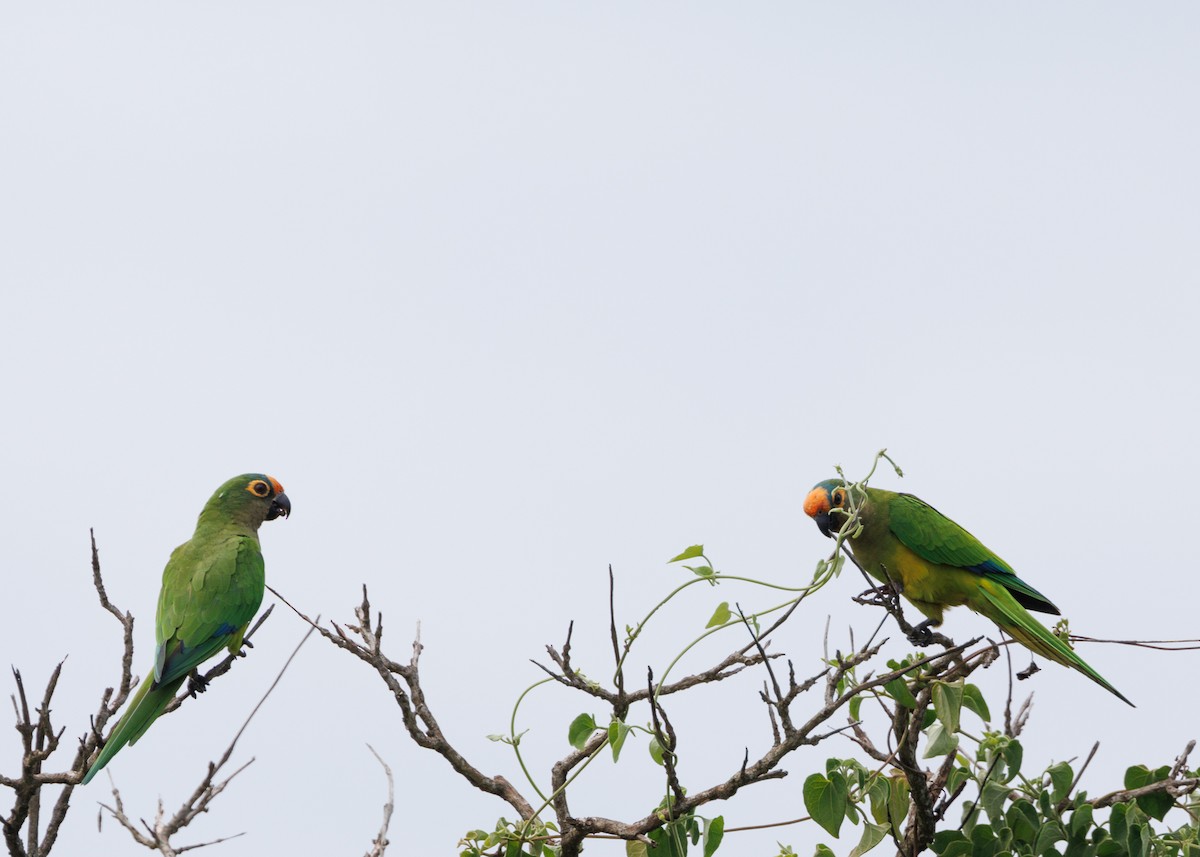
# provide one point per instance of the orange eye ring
(259, 488)
(838, 497)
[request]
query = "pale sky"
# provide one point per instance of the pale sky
(505, 293)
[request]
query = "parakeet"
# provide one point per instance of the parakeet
(936, 564)
(211, 589)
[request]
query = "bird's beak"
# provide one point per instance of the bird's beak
(822, 520)
(281, 505)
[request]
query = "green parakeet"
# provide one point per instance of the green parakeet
(212, 587)
(936, 564)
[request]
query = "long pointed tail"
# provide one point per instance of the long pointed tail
(999, 605)
(144, 708)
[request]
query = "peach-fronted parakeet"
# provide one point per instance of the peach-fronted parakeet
(212, 587)
(936, 564)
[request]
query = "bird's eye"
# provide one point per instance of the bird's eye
(839, 497)
(259, 488)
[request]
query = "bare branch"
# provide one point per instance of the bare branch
(418, 719)
(202, 797)
(380, 843)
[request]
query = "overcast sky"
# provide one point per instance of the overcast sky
(504, 293)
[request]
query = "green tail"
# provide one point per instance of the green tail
(1001, 607)
(144, 708)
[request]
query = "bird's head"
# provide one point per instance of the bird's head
(823, 504)
(248, 499)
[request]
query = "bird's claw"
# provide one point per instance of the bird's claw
(197, 683)
(878, 596)
(921, 635)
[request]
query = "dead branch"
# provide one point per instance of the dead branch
(380, 843)
(1176, 785)
(158, 835)
(404, 683)
(40, 739)
(363, 640)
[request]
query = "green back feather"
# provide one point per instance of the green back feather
(937, 539)
(212, 587)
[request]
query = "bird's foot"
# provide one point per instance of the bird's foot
(879, 596)
(921, 635)
(197, 683)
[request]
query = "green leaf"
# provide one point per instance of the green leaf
(971, 816)
(973, 699)
(983, 841)
(947, 702)
(824, 850)
(897, 688)
(992, 800)
(878, 793)
(958, 847)
(669, 842)
(714, 832)
(690, 553)
(898, 802)
(1081, 821)
(944, 839)
(825, 802)
(656, 750)
(700, 570)
(617, 733)
(1061, 777)
(1023, 821)
(855, 707)
(1117, 825)
(1136, 843)
(1154, 805)
(838, 562)
(873, 834)
(1013, 753)
(721, 616)
(580, 730)
(941, 741)
(636, 848)
(1049, 833)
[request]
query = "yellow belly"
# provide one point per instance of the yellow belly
(931, 588)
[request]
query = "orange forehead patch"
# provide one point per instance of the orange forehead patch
(816, 502)
(275, 485)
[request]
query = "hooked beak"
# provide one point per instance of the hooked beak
(822, 520)
(281, 505)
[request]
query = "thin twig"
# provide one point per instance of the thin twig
(380, 843)
(161, 831)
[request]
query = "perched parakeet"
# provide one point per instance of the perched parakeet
(936, 564)
(212, 587)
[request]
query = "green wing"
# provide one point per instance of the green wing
(937, 539)
(210, 593)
